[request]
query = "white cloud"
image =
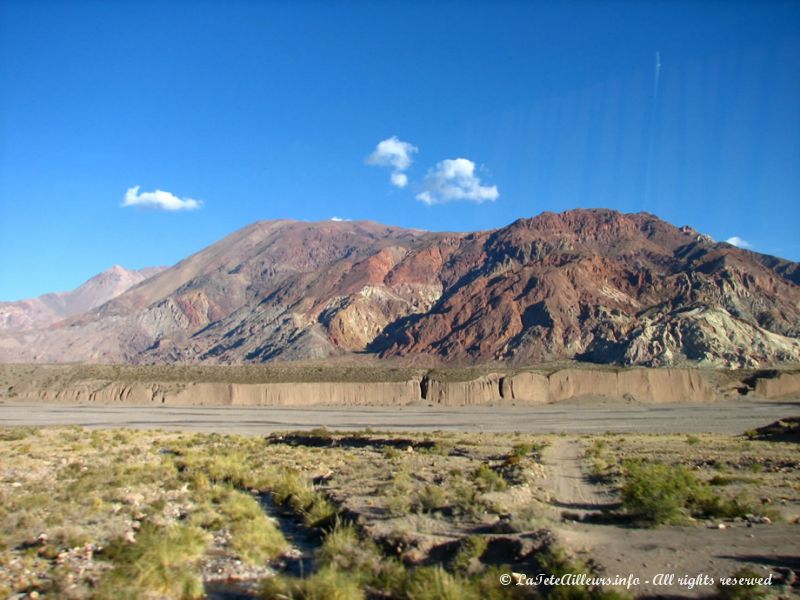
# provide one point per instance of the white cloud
(399, 180)
(395, 154)
(339, 219)
(159, 199)
(739, 242)
(392, 152)
(454, 180)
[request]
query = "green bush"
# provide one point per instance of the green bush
(655, 493)
(431, 498)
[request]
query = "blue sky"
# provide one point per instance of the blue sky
(263, 110)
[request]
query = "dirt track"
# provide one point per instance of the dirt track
(567, 483)
(730, 417)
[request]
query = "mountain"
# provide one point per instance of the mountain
(593, 285)
(45, 310)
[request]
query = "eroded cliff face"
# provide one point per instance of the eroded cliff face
(521, 388)
(589, 285)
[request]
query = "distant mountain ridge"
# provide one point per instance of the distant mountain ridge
(586, 284)
(47, 309)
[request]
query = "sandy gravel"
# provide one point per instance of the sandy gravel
(729, 417)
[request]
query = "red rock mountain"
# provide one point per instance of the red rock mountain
(50, 308)
(592, 285)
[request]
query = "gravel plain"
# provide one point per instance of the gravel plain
(567, 417)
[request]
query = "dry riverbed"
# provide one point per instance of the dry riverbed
(113, 513)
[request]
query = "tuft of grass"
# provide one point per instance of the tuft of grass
(522, 450)
(329, 583)
(434, 583)
(254, 537)
(391, 453)
(345, 550)
(488, 480)
(291, 490)
(160, 563)
(398, 494)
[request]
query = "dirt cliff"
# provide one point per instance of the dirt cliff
(70, 384)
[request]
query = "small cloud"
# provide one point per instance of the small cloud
(395, 154)
(455, 180)
(739, 242)
(159, 199)
(392, 152)
(399, 180)
(339, 219)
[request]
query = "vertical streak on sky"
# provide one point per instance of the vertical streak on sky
(650, 133)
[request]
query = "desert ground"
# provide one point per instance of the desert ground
(585, 416)
(126, 512)
(587, 495)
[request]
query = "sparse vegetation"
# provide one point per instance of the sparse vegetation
(656, 493)
(108, 513)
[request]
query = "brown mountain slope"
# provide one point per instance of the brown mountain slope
(608, 287)
(589, 284)
(50, 308)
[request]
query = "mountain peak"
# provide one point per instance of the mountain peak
(48, 309)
